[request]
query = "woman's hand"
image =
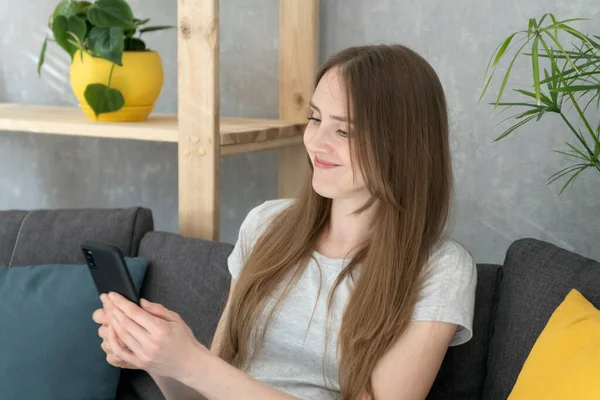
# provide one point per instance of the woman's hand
(102, 317)
(152, 338)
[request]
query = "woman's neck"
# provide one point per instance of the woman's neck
(346, 231)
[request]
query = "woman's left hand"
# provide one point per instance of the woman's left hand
(155, 339)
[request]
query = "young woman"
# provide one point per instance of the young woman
(353, 291)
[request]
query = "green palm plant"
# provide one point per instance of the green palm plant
(571, 78)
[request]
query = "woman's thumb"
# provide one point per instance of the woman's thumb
(158, 310)
(155, 309)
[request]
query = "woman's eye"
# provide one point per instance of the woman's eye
(342, 133)
(315, 120)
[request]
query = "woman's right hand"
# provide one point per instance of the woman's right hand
(102, 317)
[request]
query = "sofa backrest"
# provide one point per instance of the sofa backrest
(53, 236)
(188, 276)
(537, 276)
(462, 374)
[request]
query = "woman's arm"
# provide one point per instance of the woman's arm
(405, 372)
(217, 380)
(158, 341)
(408, 369)
(175, 390)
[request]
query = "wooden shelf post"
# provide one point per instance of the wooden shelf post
(298, 57)
(199, 141)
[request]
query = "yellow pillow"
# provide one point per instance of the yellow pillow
(565, 360)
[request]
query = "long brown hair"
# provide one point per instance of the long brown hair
(399, 140)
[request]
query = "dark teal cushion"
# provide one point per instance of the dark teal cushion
(49, 345)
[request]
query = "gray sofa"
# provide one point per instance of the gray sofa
(190, 276)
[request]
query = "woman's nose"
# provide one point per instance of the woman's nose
(318, 141)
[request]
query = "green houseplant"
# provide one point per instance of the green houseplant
(111, 65)
(565, 82)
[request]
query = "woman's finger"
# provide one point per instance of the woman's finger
(137, 331)
(103, 331)
(119, 352)
(99, 316)
(116, 362)
(159, 310)
(134, 312)
(106, 346)
(126, 337)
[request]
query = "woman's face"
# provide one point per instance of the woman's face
(327, 143)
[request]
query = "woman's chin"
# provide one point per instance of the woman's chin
(326, 190)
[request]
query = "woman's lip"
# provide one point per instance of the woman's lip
(323, 164)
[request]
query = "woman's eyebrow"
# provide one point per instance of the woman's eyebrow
(336, 117)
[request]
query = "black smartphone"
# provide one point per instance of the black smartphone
(109, 270)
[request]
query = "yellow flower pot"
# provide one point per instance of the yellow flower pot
(140, 80)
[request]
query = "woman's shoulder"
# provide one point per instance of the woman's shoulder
(450, 257)
(449, 249)
(265, 212)
(448, 293)
(258, 219)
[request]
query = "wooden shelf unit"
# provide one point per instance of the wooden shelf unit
(202, 136)
(237, 135)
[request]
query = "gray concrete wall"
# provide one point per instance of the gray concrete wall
(501, 194)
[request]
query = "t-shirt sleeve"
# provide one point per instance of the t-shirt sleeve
(448, 294)
(253, 226)
(238, 257)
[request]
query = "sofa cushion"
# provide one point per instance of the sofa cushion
(190, 277)
(10, 221)
(537, 276)
(462, 373)
(53, 236)
(565, 360)
(49, 345)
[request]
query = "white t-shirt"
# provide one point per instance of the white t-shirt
(294, 358)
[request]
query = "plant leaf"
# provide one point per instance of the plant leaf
(554, 22)
(564, 153)
(543, 97)
(578, 167)
(103, 99)
(140, 22)
(565, 171)
(550, 85)
(107, 43)
(576, 150)
(577, 34)
(514, 128)
(111, 13)
(129, 33)
(78, 27)
(516, 104)
(503, 49)
(572, 179)
(531, 27)
(60, 26)
(528, 112)
(156, 28)
(560, 46)
(536, 70)
(505, 80)
(42, 57)
(577, 88)
(66, 8)
(559, 23)
(134, 44)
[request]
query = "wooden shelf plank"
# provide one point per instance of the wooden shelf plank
(71, 121)
(237, 134)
